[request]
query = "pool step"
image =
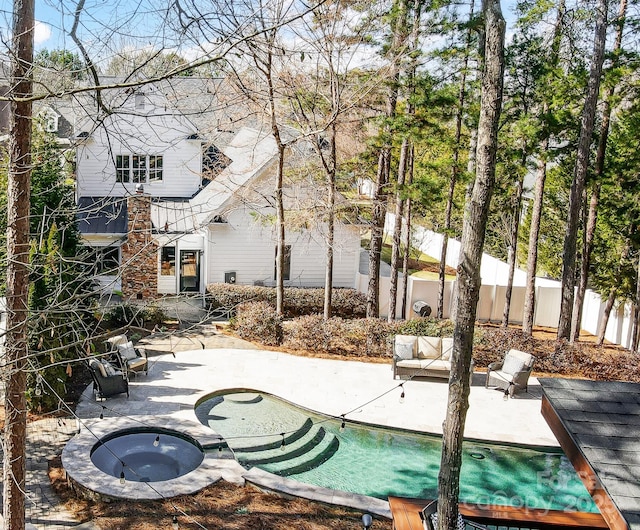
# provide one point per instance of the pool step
(310, 460)
(248, 399)
(289, 439)
(308, 450)
(290, 451)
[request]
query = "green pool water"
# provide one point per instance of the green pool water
(380, 462)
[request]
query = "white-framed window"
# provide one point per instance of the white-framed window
(168, 261)
(138, 169)
(155, 168)
(48, 120)
(123, 168)
(51, 122)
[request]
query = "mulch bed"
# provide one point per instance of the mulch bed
(221, 505)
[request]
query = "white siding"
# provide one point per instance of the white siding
(170, 284)
(148, 135)
(244, 246)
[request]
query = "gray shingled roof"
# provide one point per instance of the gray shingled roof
(603, 419)
(102, 215)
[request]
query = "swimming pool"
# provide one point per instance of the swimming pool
(287, 440)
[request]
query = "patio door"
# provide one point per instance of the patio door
(189, 271)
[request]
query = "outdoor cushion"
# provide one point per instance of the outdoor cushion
(117, 340)
(447, 348)
(98, 364)
(429, 347)
(405, 346)
(108, 369)
(499, 377)
(426, 364)
(127, 351)
(512, 364)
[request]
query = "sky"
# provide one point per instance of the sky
(109, 27)
(126, 18)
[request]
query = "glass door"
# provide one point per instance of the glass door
(189, 270)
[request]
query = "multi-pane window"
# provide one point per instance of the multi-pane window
(155, 167)
(168, 261)
(123, 168)
(138, 168)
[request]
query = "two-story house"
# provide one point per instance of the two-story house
(175, 191)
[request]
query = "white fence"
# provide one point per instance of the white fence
(494, 274)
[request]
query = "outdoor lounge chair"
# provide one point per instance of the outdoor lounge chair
(429, 516)
(130, 360)
(107, 380)
(512, 373)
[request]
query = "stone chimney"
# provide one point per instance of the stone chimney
(140, 252)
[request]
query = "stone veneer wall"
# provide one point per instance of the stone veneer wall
(140, 252)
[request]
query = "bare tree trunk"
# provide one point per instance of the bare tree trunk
(18, 199)
(281, 248)
(455, 171)
(331, 217)
(513, 248)
(407, 238)
(541, 177)
(602, 329)
(587, 246)
(397, 229)
(580, 172)
(534, 234)
(377, 233)
(404, 164)
(468, 284)
(471, 162)
(384, 164)
(595, 195)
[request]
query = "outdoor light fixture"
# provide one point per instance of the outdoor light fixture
(343, 424)
(156, 442)
(282, 445)
(367, 521)
(401, 400)
(102, 413)
(122, 480)
(174, 522)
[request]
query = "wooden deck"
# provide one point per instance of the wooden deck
(406, 516)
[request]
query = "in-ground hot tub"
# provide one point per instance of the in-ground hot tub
(147, 454)
(185, 460)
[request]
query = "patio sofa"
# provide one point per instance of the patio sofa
(422, 356)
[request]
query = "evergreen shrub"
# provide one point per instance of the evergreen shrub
(346, 303)
(259, 322)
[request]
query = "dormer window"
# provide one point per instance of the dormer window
(49, 121)
(138, 169)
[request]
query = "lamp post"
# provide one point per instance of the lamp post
(367, 521)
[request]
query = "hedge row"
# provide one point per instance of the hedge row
(258, 322)
(346, 303)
